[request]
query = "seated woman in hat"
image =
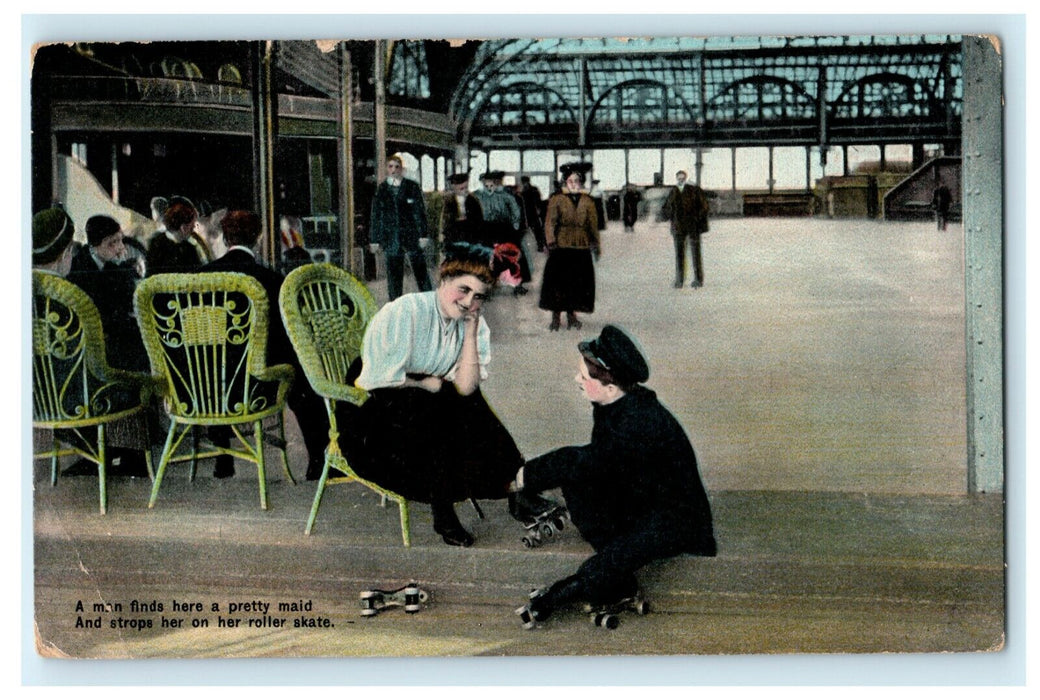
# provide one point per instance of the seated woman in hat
(634, 492)
(572, 236)
(426, 431)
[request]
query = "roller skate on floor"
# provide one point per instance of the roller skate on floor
(529, 616)
(605, 616)
(541, 517)
(609, 616)
(410, 597)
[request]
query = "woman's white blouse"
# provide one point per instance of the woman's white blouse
(409, 336)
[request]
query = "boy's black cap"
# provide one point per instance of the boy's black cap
(618, 354)
(458, 178)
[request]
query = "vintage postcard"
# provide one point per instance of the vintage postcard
(630, 346)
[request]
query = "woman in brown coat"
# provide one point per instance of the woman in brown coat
(572, 236)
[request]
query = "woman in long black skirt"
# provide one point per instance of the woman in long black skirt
(572, 235)
(426, 431)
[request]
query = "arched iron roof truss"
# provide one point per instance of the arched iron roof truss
(561, 93)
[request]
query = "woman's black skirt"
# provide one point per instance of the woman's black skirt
(428, 446)
(569, 281)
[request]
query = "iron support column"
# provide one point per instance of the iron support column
(983, 217)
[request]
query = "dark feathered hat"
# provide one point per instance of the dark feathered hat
(580, 167)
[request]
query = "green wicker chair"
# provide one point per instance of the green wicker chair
(74, 389)
(206, 337)
(325, 311)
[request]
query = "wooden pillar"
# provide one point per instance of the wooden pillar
(115, 173)
(379, 107)
(263, 145)
(346, 162)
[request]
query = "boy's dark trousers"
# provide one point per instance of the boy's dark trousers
(609, 575)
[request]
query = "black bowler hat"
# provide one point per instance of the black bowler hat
(99, 228)
(458, 178)
(493, 175)
(617, 353)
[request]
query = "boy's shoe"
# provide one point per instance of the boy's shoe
(528, 508)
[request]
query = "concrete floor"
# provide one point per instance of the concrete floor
(820, 375)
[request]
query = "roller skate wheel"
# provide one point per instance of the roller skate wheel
(546, 530)
(642, 607)
(526, 618)
(369, 612)
(560, 523)
(530, 542)
(368, 595)
(606, 620)
(412, 607)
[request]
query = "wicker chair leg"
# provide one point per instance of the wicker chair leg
(283, 446)
(164, 460)
(317, 498)
(406, 525)
(194, 452)
(54, 459)
(101, 468)
(261, 472)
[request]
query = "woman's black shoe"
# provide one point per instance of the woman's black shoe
(446, 524)
(456, 537)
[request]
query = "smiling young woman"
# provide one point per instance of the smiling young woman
(426, 431)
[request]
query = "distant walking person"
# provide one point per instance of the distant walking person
(630, 206)
(398, 226)
(572, 235)
(687, 209)
(502, 219)
(941, 201)
(533, 210)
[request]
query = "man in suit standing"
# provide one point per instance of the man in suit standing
(398, 226)
(241, 233)
(687, 209)
(461, 216)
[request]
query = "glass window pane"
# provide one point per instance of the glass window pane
(717, 169)
(676, 159)
(609, 168)
(863, 159)
(789, 168)
(507, 161)
(538, 161)
(643, 164)
(752, 168)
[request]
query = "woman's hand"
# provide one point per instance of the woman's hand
(428, 382)
(431, 384)
(471, 319)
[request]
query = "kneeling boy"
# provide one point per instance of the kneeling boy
(634, 492)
